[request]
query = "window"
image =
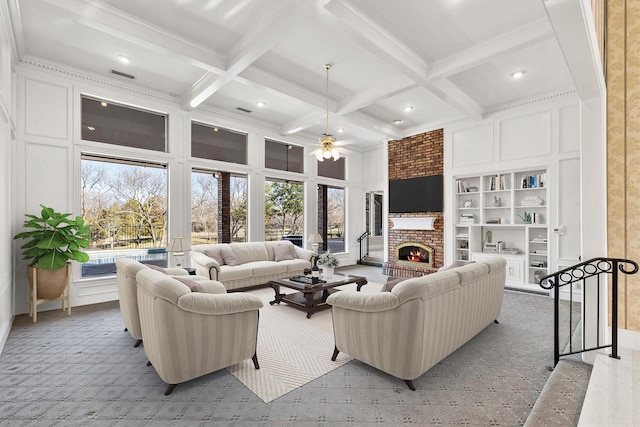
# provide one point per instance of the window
(284, 202)
(218, 198)
(213, 143)
(125, 204)
(284, 157)
(104, 121)
(331, 217)
(332, 168)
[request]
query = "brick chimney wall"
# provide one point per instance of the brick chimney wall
(413, 157)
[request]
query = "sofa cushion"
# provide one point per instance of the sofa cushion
(296, 265)
(234, 273)
(192, 284)
(155, 267)
(248, 252)
(456, 264)
(283, 252)
(471, 272)
(391, 282)
(427, 286)
(229, 256)
(215, 253)
(266, 268)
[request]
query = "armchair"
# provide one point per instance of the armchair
(189, 334)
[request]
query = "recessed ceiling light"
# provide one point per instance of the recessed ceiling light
(104, 104)
(517, 74)
(261, 104)
(91, 128)
(124, 59)
(397, 121)
(340, 130)
(408, 108)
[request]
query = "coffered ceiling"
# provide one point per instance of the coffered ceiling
(450, 60)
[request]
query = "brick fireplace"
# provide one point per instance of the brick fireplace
(413, 157)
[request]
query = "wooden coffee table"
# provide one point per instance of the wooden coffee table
(312, 297)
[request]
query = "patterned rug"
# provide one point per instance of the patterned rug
(292, 350)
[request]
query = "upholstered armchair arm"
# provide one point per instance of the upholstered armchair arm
(364, 301)
(305, 254)
(205, 264)
(176, 271)
(210, 286)
(217, 304)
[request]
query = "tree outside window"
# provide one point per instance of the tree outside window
(284, 207)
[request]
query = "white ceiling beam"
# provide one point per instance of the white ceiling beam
(104, 18)
(370, 35)
(482, 52)
(270, 29)
(366, 122)
(301, 123)
(375, 94)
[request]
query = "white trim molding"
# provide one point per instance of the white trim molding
(413, 223)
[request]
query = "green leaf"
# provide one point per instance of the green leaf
(52, 261)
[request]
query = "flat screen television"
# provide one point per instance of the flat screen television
(413, 195)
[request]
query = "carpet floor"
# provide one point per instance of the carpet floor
(84, 370)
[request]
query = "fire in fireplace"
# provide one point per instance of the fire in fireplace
(411, 253)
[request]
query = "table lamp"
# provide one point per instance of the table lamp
(178, 247)
(315, 239)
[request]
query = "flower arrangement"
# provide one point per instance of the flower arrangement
(328, 259)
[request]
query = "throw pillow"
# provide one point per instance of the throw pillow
(215, 253)
(283, 252)
(155, 267)
(456, 264)
(391, 282)
(192, 284)
(229, 257)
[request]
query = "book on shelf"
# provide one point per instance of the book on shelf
(467, 219)
(534, 181)
(497, 182)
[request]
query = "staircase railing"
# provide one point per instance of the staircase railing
(588, 274)
(364, 240)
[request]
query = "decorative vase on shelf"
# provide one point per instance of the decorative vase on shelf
(327, 272)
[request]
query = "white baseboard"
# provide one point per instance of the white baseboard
(629, 339)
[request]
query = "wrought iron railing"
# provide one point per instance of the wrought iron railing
(589, 275)
(363, 240)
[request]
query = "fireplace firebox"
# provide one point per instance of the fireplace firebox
(414, 254)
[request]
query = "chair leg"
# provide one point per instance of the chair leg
(410, 385)
(125, 329)
(137, 344)
(335, 353)
(496, 322)
(169, 389)
(148, 362)
(255, 360)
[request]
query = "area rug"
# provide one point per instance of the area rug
(292, 350)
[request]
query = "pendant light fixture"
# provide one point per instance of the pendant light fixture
(327, 148)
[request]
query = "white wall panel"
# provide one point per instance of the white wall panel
(526, 136)
(47, 109)
(472, 146)
(47, 177)
(569, 132)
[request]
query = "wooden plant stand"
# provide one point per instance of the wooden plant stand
(34, 302)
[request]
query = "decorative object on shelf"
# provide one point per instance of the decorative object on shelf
(497, 201)
(53, 239)
(468, 204)
(328, 261)
(525, 217)
(467, 219)
(178, 247)
(495, 220)
(537, 275)
(532, 201)
(472, 189)
(315, 239)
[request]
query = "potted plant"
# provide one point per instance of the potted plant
(53, 239)
(497, 201)
(525, 217)
(328, 261)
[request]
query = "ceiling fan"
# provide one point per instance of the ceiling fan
(328, 144)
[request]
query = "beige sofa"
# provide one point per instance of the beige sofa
(189, 334)
(421, 321)
(242, 265)
(126, 270)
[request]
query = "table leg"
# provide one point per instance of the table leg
(309, 297)
(276, 289)
(361, 284)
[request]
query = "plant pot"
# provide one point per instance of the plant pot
(526, 222)
(50, 283)
(327, 272)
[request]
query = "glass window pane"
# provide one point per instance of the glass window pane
(213, 143)
(284, 202)
(111, 123)
(125, 204)
(218, 198)
(335, 219)
(284, 157)
(332, 168)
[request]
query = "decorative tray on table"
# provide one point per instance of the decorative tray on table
(306, 280)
